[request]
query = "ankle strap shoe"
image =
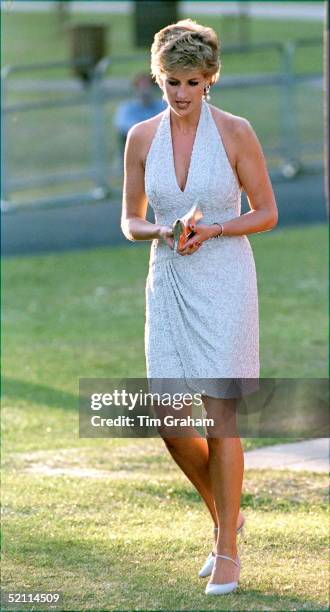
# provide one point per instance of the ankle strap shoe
(207, 568)
(228, 587)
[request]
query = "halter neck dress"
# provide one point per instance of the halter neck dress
(201, 309)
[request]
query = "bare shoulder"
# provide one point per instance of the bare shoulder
(140, 136)
(238, 128)
(238, 137)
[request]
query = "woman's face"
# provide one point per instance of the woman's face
(184, 90)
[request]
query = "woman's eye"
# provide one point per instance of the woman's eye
(174, 83)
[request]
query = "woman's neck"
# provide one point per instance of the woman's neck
(187, 123)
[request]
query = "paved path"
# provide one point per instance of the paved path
(95, 224)
(309, 455)
(310, 11)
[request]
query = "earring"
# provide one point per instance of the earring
(207, 92)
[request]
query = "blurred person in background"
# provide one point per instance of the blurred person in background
(145, 104)
(202, 319)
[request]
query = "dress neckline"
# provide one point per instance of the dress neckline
(193, 151)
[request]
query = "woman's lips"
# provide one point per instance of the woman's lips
(182, 103)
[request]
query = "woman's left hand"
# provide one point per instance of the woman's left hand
(201, 233)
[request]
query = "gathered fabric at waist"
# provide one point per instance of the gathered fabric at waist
(222, 247)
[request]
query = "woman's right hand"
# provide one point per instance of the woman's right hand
(166, 233)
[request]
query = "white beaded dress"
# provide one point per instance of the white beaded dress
(201, 309)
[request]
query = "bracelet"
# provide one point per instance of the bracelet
(221, 230)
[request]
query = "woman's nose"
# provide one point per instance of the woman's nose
(181, 93)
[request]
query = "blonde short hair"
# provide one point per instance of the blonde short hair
(185, 45)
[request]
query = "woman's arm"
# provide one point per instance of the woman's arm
(253, 175)
(134, 209)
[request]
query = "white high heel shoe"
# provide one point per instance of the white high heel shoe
(208, 566)
(228, 587)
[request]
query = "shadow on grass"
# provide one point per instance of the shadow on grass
(183, 494)
(283, 497)
(39, 394)
(132, 575)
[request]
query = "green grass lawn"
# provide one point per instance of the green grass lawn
(113, 523)
(134, 536)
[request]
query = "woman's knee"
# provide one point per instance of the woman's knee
(222, 416)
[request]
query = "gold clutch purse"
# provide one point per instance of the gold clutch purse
(182, 233)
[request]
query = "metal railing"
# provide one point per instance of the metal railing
(95, 171)
(88, 149)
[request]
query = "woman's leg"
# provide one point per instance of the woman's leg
(226, 465)
(191, 454)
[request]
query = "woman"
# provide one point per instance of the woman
(201, 301)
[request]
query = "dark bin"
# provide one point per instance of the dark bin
(151, 16)
(88, 46)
